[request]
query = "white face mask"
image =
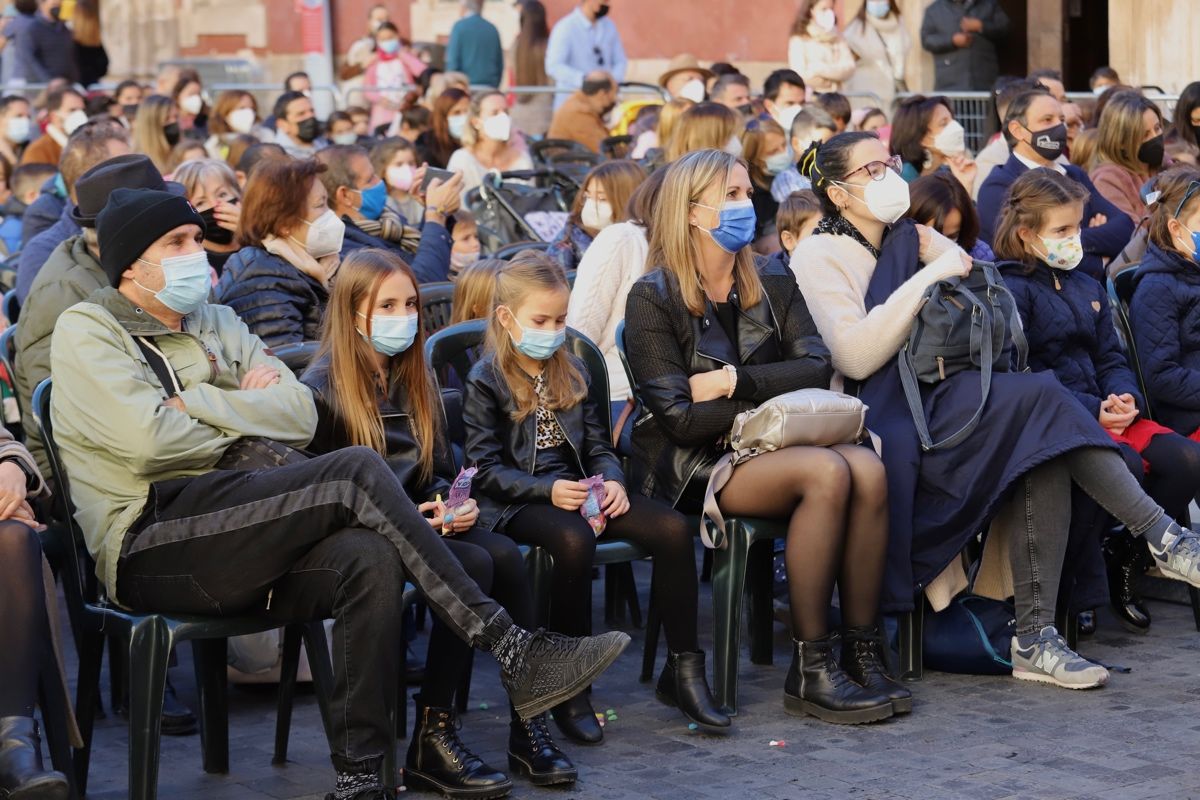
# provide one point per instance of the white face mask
(786, 116)
(734, 146)
(1065, 253)
(74, 121)
(693, 90)
(596, 215)
(824, 18)
(458, 124)
(778, 163)
(950, 140)
(325, 235)
(886, 199)
(498, 128)
(400, 178)
(18, 129)
(191, 104)
(241, 120)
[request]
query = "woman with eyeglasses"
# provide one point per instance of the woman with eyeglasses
(864, 275)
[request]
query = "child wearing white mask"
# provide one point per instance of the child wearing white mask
(396, 160)
(606, 192)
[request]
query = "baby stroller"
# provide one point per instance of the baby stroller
(520, 206)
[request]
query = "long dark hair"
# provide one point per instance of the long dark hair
(934, 196)
(529, 51)
(824, 163)
(442, 144)
(910, 123)
(1181, 121)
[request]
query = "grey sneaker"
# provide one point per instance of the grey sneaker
(1179, 557)
(555, 668)
(1049, 660)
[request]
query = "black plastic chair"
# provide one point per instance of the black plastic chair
(8, 353)
(297, 355)
(150, 639)
(437, 305)
(509, 250)
(10, 306)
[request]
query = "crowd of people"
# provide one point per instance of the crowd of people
(754, 240)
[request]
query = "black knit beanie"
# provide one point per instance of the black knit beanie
(134, 219)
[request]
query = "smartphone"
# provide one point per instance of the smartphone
(432, 173)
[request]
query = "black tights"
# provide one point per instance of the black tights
(835, 501)
(26, 624)
(569, 539)
(1174, 478)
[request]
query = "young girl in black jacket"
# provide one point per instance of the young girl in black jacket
(535, 436)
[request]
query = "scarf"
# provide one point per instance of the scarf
(819, 34)
(888, 31)
(391, 227)
(840, 226)
(321, 270)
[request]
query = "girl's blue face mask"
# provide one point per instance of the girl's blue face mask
(391, 335)
(538, 344)
(736, 227)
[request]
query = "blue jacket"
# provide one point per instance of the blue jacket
(45, 210)
(431, 263)
(279, 303)
(474, 48)
(1165, 314)
(38, 249)
(569, 247)
(1068, 323)
(1103, 241)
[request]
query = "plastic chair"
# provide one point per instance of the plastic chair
(150, 639)
(11, 306)
(437, 304)
(297, 355)
(8, 353)
(509, 250)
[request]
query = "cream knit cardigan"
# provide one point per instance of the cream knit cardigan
(614, 260)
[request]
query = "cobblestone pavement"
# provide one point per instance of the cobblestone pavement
(968, 737)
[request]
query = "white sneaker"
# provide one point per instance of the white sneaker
(1179, 558)
(1049, 660)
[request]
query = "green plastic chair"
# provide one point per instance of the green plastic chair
(150, 639)
(437, 304)
(8, 352)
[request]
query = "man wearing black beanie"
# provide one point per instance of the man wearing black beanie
(158, 398)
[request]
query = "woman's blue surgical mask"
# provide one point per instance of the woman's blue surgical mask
(374, 198)
(188, 282)
(538, 344)
(391, 335)
(736, 228)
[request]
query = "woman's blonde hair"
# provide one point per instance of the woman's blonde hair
(531, 271)
(703, 126)
(1121, 131)
(754, 149)
(619, 179)
(148, 136)
(475, 291)
(1083, 149)
(674, 242)
(1172, 187)
(1032, 195)
(470, 136)
(194, 174)
(668, 118)
(354, 386)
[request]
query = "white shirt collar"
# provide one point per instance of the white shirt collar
(1056, 165)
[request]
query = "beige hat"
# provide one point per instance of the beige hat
(685, 62)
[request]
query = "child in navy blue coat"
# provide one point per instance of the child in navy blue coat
(1068, 323)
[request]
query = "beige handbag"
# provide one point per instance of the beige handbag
(803, 418)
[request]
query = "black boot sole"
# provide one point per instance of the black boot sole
(519, 767)
(1129, 626)
(540, 705)
(667, 700)
(419, 782)
(902, 706)
(48, 787)
(799, 707)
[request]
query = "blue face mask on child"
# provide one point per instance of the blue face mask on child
(391, 335)
(736, 228)
(537, 344)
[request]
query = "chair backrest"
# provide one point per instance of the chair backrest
(8, 354)
(437, 304)
(571, 273)
(509, 250)
(620, 336)
(1120, 314)
(593, 360)
(297, 355)
(11, 306)
(80, 569)
(1122, 282)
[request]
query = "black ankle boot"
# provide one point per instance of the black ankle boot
(533, 753)
(816, 685)
(577, 720)
(21, 773)
(539, 670)
(862, 659)
(438, 761)
(1125, 558)
(683, 683)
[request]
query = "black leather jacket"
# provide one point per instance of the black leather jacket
(403, 451)
(677, 441)
(505, 451)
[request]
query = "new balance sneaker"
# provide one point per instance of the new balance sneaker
(1179, 556)
(553, 668)
(1049, 660)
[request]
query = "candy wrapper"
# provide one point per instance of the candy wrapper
(460, 492)
(592, 508)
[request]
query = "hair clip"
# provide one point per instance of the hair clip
(1152, 198)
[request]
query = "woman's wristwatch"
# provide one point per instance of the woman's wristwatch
(731, 372)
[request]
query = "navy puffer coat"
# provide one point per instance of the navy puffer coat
(279, 303)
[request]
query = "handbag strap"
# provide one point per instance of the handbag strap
(713, 534)
(1016, 330)
(162, 368)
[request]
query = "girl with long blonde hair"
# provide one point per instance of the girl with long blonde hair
(705, 126)
(708, 336)
(535, 435)
(373, 388)
(156, 130)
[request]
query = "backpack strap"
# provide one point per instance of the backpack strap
(162, 368)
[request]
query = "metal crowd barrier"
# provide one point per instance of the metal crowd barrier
(399, 91)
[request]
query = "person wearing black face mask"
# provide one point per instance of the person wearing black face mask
(213, 189)
(1036, 130)
(171, 132)
(1130, 151)
(296, 125)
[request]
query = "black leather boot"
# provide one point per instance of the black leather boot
(533, 753)
(683, 683)
(438, 761)
(577, 720)
(22, 776)
(1125, 558)
(862, 659)
(816, 685)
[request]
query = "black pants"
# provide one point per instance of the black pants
(334, 536)
(23, 611)
(496, 564)
(1174, 478)
(657, 527)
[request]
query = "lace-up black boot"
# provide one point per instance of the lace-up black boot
(438, 761)
(816, 685)
(862, 659)
(533, 753)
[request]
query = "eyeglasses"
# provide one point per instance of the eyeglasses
(1193, 187)
(877, 169)
(598, 54)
